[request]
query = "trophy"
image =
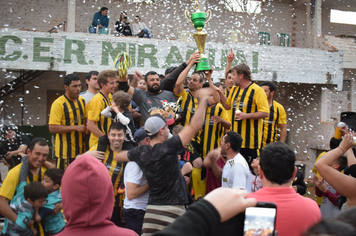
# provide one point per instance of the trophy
(198, 19)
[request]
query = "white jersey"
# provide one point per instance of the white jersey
(236, 174)
(133, 174)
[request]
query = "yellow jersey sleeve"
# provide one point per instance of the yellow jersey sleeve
(94, 109)
(10, 183)
(261, 101)
(56, 114)
(282, 116)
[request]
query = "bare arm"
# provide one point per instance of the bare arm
(21, 151)
(6, 211)
(197, 120)
(210, 161)
(218, 119)
(215, 98)
(230, 58)
(252, 116)
(122, 157)
(134, 190)
(94, 129)
(49, 165)
(343, 184)
(223, 99)
(283, 133)
(62, 129)
(183, 76)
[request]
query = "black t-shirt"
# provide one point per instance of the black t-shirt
(7, 146)
(160, 166)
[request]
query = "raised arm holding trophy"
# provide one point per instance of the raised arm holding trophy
(198, 19)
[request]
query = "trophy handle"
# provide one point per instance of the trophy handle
(208, 16)
(187, 15)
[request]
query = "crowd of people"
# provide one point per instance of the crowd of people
(123, 26)
(159, 158)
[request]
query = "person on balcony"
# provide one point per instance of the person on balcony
(100, 21)
(140, 29)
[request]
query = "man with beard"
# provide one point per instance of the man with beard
(149, 100)
(67, 120)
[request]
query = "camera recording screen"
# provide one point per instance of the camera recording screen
(259, 221)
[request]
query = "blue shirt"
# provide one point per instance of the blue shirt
(99, 19)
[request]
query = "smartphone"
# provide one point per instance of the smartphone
(260, 220)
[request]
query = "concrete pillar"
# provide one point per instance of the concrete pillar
(71, 16)
(308, 24)
(317, 22)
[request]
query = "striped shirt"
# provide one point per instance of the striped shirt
(98, 103)
(277, 116)
(68, 113)
(212, 133)
(249, 100)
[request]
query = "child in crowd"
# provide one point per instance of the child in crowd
(121, 113)
(328, 207)
(52, 223)
(256, 182)
(27, 200)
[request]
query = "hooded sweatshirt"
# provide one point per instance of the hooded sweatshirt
(88, 197)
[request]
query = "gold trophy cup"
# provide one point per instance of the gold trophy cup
(198, 19)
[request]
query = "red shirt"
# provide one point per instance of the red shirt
(211, 181)
(295, 213)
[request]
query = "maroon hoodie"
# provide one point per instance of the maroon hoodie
(88, 200)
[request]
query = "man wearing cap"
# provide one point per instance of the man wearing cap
(136, 194)
(160, 165)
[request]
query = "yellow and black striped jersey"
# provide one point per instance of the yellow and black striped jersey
(66, 112)
(188, 104)
(116, 169)
(212, 133)
(98, 103)
(277, 116)
(227, 93)
(249, 100)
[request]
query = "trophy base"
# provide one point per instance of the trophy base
(203, 65)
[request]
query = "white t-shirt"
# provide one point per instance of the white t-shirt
(87, 96)
(133, 174)
(236, 174)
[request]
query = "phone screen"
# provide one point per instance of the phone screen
(259, 221)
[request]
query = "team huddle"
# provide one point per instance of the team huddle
(163, 145)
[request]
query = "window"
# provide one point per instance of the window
(343, 17)
(246, 6)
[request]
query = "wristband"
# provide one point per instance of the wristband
(124, 86)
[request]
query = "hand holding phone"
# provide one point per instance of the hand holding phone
(260, 220)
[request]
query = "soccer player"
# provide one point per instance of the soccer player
(67, 120)
(248, 106)
(98, 124)
(277, 117)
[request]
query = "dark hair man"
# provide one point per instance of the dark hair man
(249, 106)
(160, 165)
(13, 145)
(101, 19)
(295, 213)
(116, 136)
(236, 172)
(67, 120)
(37, 153)
(93, 87)
(277, 117)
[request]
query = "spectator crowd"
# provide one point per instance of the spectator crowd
(152, 156)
